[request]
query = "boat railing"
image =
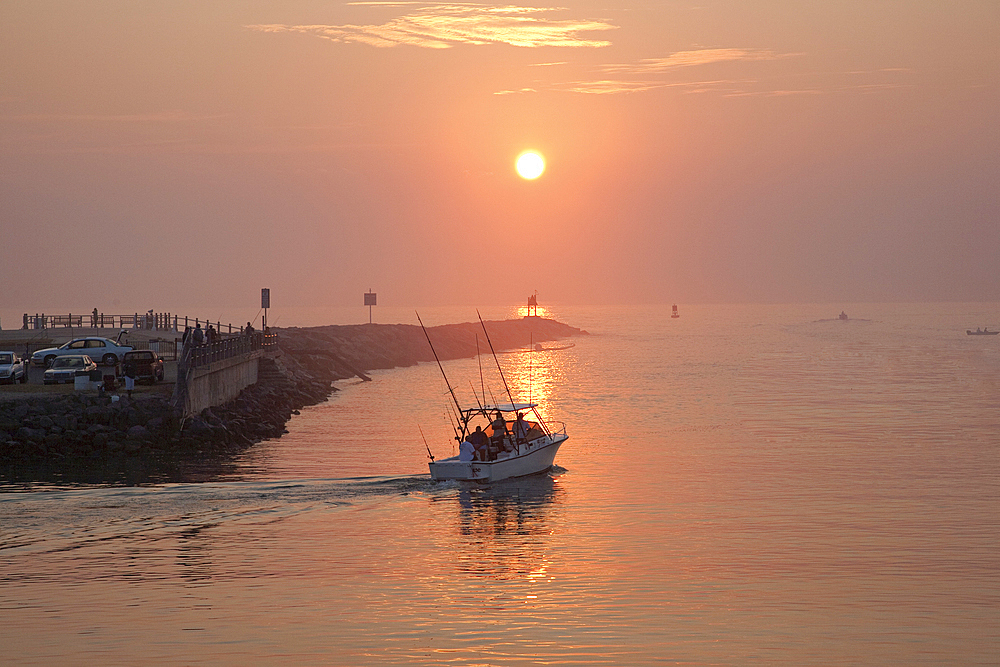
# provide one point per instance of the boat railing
(557, 428)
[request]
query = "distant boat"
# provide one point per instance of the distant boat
(674, 313)
(842, 316)
(984, 332)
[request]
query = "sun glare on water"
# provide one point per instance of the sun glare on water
(530, 165)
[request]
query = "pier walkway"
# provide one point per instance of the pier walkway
(213, 373)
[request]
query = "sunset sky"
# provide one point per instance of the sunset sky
(176, 154)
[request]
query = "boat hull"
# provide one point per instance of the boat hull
(537, 458)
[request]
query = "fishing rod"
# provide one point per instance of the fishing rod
(495, 357)
(531, 357)
(482, 382)
(478, 402)
(425, 443)
(428, 337)
(454, 426)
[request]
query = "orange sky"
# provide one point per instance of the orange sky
(175, 154)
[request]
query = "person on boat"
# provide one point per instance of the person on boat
(499, 432)
(480, 443)
(466, 451)
(521, 429)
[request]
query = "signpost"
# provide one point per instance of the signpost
(369, 301)
(265, 303)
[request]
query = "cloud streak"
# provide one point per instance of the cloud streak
(693, 58)
(656, 73)
(443, 26)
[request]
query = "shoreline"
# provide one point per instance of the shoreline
(82, 437)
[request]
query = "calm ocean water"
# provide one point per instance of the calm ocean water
(743, 485)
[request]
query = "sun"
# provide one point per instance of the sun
(530, 165)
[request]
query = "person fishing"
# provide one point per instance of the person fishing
(480, 442)
(499, 431)
(521, 429)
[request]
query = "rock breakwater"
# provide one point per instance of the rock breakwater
(65, 434)
(344, 351)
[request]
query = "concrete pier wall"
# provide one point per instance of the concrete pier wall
(221, 381)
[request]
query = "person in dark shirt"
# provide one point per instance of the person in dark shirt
(480, 441)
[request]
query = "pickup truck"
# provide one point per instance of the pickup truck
(12, 369)
(143, 365)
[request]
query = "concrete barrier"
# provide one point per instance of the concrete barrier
(218, 382)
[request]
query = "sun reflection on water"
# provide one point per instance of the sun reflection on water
(492, 518)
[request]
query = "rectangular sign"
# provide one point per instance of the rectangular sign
(370, 299)
(265, 297)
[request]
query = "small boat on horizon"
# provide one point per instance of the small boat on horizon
(673, 313)
(984, 332)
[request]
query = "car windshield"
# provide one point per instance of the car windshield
(6, 358)
(68, 362)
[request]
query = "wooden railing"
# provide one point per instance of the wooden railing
(226, 348)
(149, 321)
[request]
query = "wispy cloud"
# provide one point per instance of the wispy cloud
(441, 26)
(617, 86)
(693, 58)
(656, 73)
(609, 86)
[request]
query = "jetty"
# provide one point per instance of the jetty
(224, 397)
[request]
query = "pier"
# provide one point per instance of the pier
(203, 375)
(225, 396)
(214, 373)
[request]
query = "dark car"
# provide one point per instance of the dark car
(65, 368)
(143, 365)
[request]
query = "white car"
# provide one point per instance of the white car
(64, 368)
(12, 369)
(101, 350)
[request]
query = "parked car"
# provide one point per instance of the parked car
(12, 369)
(108, 351)
(144, 364)
(64, 368)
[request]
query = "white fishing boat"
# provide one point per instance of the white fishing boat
(526, 446)
(492, 445)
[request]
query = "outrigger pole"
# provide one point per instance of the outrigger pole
(425, 443)
(494, 357)
(426, 335)
(482, 382)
